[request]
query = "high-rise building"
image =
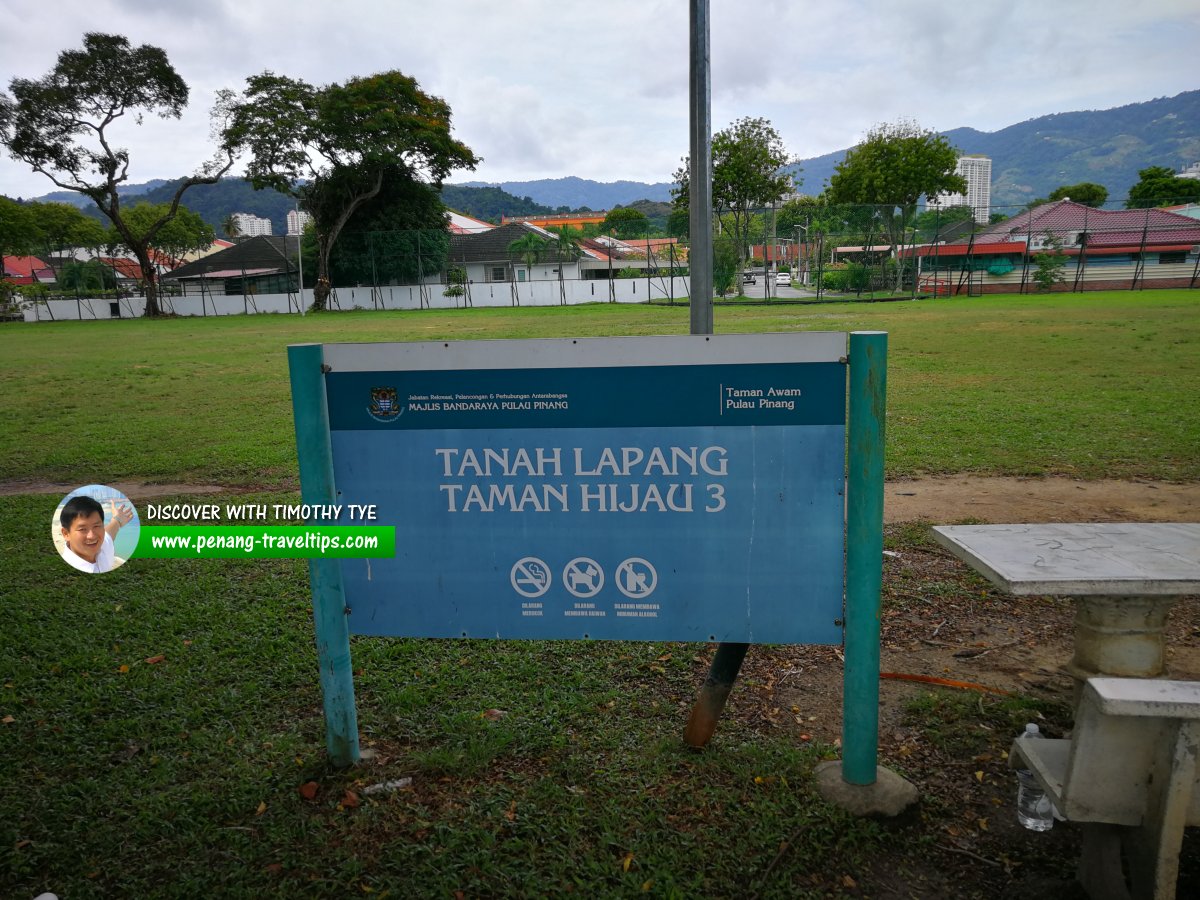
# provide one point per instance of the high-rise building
(249, 225)
(977, 170)
(297, 221)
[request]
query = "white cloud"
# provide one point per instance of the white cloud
(547, 89)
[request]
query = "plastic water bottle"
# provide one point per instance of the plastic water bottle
(1034, 809)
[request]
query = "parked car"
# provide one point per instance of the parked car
(748, 278)
(784, 278)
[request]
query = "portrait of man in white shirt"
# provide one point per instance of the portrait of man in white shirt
(87, 541)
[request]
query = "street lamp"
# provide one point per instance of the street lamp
(800, 228)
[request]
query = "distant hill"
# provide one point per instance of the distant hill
(1029, 160)
(215, 202)
(575, 193)
(489, 203)
(1108, 147)
(74, 199)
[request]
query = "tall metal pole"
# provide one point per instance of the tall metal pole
(700, 171)
(299, 257)
(727, 661)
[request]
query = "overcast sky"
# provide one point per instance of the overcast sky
(549, 88)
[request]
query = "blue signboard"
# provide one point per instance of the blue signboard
(677, 488)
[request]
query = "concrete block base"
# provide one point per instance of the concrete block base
(887, 798)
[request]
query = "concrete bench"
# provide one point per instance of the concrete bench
(1129, 776)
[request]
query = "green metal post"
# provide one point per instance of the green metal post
(306, 367)
(864, 555)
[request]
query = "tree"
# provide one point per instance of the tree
(63, 228)
(933, 224)
(1050, 264)
(678, 224)
(397, 237)
(726, 265)
(625, 223)
(341, 139)
(748, 157)
(1159, 186)
(184, 233)
(83, 277)
(1086, 192)
(19, 230)
(529, 249)
(566, 248)
(231, 227)
(893, 167)
(63, 126)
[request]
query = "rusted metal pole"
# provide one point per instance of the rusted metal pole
(713, 693)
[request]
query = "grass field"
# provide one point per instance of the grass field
(157, 723)
(1089, 385)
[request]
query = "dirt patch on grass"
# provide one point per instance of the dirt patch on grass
(938, 500)
(955, 498)
(134, 490)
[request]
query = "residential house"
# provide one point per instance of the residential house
(1102, 249)
(486, 256)
(25, 270)
(266, 264)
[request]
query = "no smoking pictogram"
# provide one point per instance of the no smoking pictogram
(530, 577)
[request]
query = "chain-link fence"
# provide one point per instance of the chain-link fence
(866, 251)
(824, 252)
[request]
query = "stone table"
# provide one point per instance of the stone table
(1124, 579)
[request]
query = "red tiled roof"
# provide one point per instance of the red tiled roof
(997, 249)
(25, 270)
(1104, 227)
(1093, 250)
(126, 268)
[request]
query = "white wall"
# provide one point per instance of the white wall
(529, 293)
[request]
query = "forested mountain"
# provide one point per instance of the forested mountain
(489, 203)
(574, 193)
(1032, 158)
(1029, 160)
(74, 199)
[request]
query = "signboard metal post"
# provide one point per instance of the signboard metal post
(864, 555)
(306, 363)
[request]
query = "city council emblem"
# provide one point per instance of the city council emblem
(385, 404)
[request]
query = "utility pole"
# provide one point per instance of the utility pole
(700, 171)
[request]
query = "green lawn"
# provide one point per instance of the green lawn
(1090, 385)
(157, 723)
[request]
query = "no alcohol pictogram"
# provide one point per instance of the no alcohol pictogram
(636, 578)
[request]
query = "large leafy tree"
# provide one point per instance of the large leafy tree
(399, 236)
(625, 223)
(20, 233)
(1159, 186)
(330, 147)
(64, 126)
(748, 158)
(892, 168)
(185, 233)
(64, 228)
(1086, 192)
